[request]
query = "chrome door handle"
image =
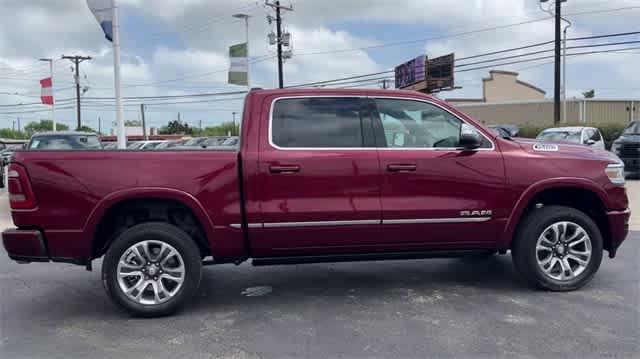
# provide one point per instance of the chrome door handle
(284, 168)
(401, 168)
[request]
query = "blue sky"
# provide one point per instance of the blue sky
(180, 47)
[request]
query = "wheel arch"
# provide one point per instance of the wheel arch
(121, 198)
(578, 193)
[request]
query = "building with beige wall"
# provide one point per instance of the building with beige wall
(507, 100)
(503, 86)
(540, 113)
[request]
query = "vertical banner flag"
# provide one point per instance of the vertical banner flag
(46, 94)
(103, 11)
(239, 64)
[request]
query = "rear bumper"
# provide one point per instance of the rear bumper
(25, 245)
(619, 228)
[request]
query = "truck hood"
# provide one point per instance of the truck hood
(565, 149)
(631, 138)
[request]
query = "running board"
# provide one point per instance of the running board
(332, 258)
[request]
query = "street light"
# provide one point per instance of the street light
(53, 105)
(246, 26)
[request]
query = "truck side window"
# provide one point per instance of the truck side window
(317, 123)
(417, 124)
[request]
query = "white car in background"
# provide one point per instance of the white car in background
(588, 136)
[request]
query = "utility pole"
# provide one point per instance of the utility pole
(13, 127)
(200, 123)
(556, 86)
(279, 38)
(385, 84)
(144, 123)
(77, 60)
(19, 124)
(99, 125)
(233, 130)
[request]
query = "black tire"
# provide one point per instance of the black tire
(524, 247)
(162, 232)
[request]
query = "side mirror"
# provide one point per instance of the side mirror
(469, 138)
(590, 142)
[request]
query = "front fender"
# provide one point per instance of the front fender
(114, 198)
(551, 183)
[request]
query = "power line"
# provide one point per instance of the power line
(459, 34)
(549, 50)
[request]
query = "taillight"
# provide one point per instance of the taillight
(19, 187)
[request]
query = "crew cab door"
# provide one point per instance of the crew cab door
(435, 194)
(320, 177)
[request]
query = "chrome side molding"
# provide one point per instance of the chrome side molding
(366, 222)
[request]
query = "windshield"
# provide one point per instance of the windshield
(231, 142)
(213, 142)
(195, 141)
(64, 142)
(150, 145)
(563, 136)
(167, 144)
(634, 128)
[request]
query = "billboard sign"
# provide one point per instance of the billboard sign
(440, 73)
(411, 72)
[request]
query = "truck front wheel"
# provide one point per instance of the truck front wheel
(557, 248)
(152, 269)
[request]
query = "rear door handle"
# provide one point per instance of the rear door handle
(401, 168)
(284, 168)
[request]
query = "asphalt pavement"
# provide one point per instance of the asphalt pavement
(400, 309)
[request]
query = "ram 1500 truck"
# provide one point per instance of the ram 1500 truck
(319, 176)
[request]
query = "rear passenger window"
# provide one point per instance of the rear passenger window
(317, 123)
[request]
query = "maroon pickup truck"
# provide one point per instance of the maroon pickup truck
(319, 176)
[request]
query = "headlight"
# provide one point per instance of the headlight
(615, 173)
(615, 147)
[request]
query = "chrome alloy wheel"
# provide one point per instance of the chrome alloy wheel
(150, 272)
(563, 251)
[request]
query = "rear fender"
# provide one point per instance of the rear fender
(114, 198)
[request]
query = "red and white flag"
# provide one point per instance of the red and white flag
(47, 91)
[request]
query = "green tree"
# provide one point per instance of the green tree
(135, 123)
(43, 126)
(176, 127)
(9, 133)
(589, 94)
(223, 129)
(86, 129)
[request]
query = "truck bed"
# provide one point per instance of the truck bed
(73, 187)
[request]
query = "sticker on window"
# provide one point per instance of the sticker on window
(545, 147)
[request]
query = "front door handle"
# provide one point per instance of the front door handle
(284, 168)
(401, 168)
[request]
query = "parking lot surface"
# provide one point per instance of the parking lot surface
(408, 309)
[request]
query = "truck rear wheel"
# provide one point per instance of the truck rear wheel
(557, 248)
(152, 269)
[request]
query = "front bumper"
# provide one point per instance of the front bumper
(619, 228)
(25, 245)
